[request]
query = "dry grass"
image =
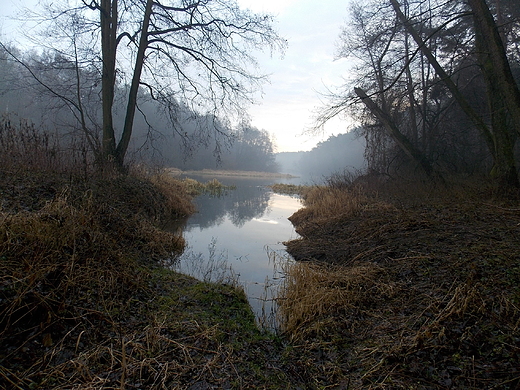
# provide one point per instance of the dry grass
(25, 147)
(324, 204)
(71, 271)
(290, 189)
(314, 294)
(417, 291)
(245, 174)
(212, 187)
(85, 302)
(78, 281)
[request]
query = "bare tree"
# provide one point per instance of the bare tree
(198, 52)
(503, 93)
(423, 64)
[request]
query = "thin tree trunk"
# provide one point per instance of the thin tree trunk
(411, 98)
(108, 21)
(122, 147)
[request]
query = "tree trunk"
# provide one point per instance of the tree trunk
(445, 77)
(493, 48)
(108, 22)
(501, 93)
(122, 147)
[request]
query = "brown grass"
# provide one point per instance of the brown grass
(77, 256)
(417, 291)
(314, 294)
(86, 301)
(324, 204)
(290, 189)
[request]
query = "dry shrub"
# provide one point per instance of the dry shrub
(315, 296)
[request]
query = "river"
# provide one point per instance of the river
(237, 238)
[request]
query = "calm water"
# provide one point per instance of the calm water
(239, 235)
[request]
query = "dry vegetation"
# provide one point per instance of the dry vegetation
(86, 298)
(409, 287)
(394, 287)
(236, 174)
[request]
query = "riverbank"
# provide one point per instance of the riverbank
(406, 287)
(87, 299)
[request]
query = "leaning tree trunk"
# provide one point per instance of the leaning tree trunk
(122, 146)
(404, 143)
(499, 141)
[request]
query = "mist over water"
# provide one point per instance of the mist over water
(239, 236)
(338, 154)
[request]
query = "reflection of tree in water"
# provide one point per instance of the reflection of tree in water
(240, 205)
(251, 204)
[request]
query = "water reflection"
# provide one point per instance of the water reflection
(240, 235)
(239, 206)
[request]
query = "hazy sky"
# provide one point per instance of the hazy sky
(285, 109)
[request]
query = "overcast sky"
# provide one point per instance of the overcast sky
(285, 109)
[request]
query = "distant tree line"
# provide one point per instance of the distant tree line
(434, 86)
(338, 153)
(194, 141)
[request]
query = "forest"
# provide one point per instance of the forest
(38, 90)
(340, 153)
(434, 86)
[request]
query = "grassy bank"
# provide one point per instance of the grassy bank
(409, 287)
(212, 173)
(87, 300)
(405, 290)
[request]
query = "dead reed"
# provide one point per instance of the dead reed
(23, 146)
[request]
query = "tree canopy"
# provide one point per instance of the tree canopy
(435, 84)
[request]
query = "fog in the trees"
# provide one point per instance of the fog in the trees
(337, 154)
(163, 136)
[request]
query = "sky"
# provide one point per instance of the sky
(298, 80)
